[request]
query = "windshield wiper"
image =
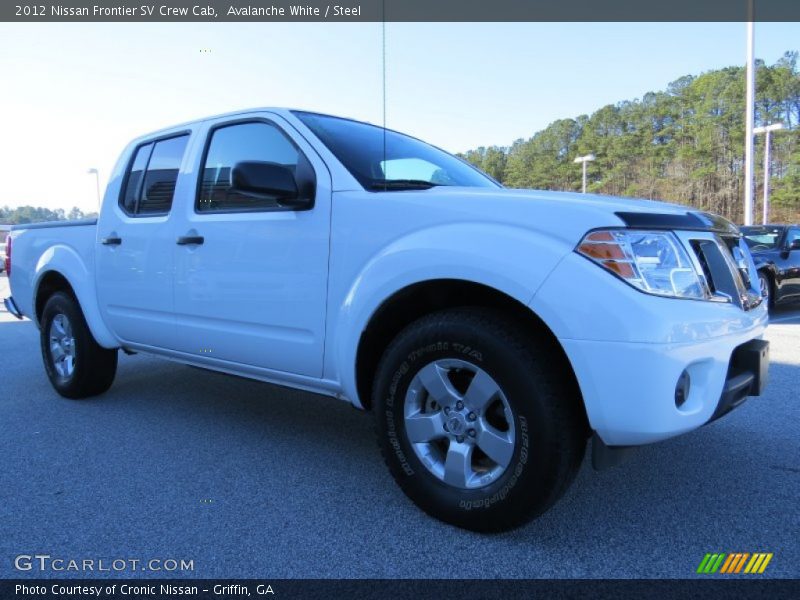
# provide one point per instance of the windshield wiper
(402, 184)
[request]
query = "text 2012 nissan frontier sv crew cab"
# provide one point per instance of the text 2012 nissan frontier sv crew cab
(491, 331)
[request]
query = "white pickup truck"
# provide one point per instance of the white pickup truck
(491, 331)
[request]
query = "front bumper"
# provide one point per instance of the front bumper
(629, 388)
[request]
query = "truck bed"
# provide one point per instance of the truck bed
(51, 224)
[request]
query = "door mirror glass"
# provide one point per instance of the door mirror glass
(794, 244)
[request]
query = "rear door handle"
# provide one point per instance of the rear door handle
(190, 240)
(111, 241)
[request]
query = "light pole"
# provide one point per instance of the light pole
(584, 159)
(767, 130)
(749, 118)
(96, 174)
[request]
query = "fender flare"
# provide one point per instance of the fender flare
(444, 252)
(63, 260)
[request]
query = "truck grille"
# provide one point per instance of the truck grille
(727, 269)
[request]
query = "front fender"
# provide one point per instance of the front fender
(65, 261)
(512, 260)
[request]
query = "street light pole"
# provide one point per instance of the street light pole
(767, 131)
(96, 174)
(584, 159)
(749, 119)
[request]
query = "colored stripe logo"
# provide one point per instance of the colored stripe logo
(734, 563)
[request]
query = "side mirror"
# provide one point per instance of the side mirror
(267, 179)
(795, 245)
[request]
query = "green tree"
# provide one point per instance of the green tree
(683, 144)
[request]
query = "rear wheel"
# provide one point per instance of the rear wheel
(77, 366)
(477, 423)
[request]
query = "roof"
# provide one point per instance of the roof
(283, 111)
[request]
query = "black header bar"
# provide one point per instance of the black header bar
(398, 10)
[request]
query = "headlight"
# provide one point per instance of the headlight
(654, 262)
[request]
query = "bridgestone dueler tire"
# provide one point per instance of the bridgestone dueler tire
(551, 432)
(95, 366)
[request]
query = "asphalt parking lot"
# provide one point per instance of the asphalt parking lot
(251, 480)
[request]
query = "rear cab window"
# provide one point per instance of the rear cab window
(152, 175)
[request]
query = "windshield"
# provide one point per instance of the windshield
(397, 162)
(762, 238)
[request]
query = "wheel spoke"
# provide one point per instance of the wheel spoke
(482, 389)
(424, 427)
(458, 464)
(56, 351)
(496, 444)
(434, 379)
(58, 325)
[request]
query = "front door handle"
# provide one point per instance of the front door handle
(111, 241)
(190, 240)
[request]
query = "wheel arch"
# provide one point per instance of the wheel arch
(62, 274)
(50, 283)
(419, 299)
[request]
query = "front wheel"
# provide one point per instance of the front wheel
(766, 288)
(77, 366)
(477, 422)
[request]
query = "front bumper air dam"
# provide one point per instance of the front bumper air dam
(748, 374)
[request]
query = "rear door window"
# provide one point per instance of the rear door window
(150, 185)
(134, 184)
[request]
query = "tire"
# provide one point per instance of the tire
(766, 285)
(534, 416)
(77, 366)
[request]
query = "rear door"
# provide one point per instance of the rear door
(136, 242)
(251, 289)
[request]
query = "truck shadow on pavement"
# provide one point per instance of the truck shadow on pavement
(703, 483)
(188, 455)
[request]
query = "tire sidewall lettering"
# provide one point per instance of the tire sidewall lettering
(501, 494)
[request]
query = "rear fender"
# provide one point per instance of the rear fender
(65, 261)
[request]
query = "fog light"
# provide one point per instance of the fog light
(682, 388)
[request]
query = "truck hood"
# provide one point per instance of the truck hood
(574, 201)
(565, 215)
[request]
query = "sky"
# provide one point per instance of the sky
(73, 95)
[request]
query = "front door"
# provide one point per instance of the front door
(251, 274)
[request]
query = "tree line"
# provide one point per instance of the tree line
(37, 214)
(684, 144)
